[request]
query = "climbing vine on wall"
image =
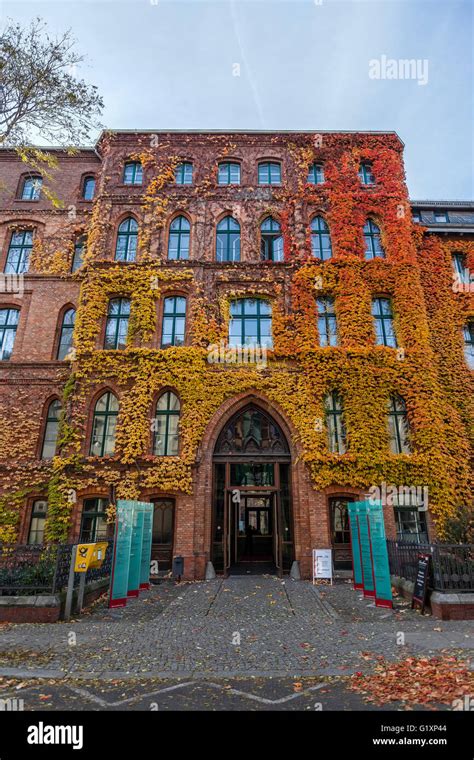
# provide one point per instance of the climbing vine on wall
(429, 373)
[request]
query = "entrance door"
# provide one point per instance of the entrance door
(252, 519)
(255, 529)
(252, 538)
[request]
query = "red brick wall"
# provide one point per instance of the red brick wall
(32, 378)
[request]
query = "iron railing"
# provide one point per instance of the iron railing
(452, 566)
(43, 569)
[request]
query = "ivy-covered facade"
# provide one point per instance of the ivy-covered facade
(249, 329)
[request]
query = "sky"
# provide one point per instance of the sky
(285, 64)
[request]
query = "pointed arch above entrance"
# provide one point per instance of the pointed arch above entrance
(251, 433)
(252, 514)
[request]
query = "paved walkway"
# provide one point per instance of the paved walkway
(242, 627)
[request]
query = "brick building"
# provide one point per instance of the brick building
(123, 316)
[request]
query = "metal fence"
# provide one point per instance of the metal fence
(42, 569)
(452, 566)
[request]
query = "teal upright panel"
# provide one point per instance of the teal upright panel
(378, 540)
(121, 557)
(146, 545)
(365, 548)
(134, 571)
(355, 546)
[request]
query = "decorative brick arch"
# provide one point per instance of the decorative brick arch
(303, 494)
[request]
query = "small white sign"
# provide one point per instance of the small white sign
(322, 564)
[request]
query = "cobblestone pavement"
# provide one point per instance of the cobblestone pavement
(241, 627)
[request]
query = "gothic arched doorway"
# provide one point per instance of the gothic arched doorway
(252, 527)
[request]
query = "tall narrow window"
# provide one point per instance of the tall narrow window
(469, 344)
(174, 321)
(373, 243)
(51, 429)
(78, 256)
(229, 173)
(38, 522)
(162, 532)
(19, 251)
(269, 173)
(228, 240)
(67, 330)
(365, 174)
(315, 174)
(398, 426)
(184, 173)
(383, 319)
(104, 424)
(336, 432)
(132, 173)
(327, 325)
(88, 188)
(31, 189)
(271, 240)
(459, 267)
(166, 424)
(127, 237)
(93, 521)
(320, 239)
(178, 241)
(250, 323)
(8, 325)
(116, 327)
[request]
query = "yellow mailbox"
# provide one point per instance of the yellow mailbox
(83, 557)
(98, 554)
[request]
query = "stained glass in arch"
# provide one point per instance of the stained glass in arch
(252, 433)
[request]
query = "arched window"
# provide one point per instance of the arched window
(174, 321)
(132, 173)
(327, 325)
(336, 432)
(126, 248)
(383, 318)
(79, 249)
(67, 330)
(228, 240)
(320, 239)
(116, 327)
(19, 250)
(469, 344)
(365, 174)
(50, 437)
(104, 424)
(184, 173)
(315, 174)
(269, 173)
(8, 324)
(178, 241)
(398, 426)
(88, 188)
(37, 522)
(271, 240)
(229, 173)
(250, 323)
(31, 189)
(373, 243)
(165, 426)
